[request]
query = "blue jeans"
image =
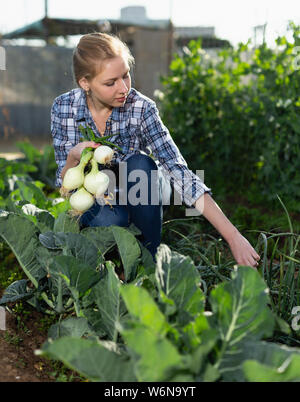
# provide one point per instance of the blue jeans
(146, 215)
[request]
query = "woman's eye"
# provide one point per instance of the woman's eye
(109, 84)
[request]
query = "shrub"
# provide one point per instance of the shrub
(236, 115)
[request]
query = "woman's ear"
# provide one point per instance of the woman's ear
(84, 84)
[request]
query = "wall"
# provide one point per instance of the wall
(34, 76)
(151, 49)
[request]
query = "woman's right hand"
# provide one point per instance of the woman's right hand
(74, 155)
(75, 152)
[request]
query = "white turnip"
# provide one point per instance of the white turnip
(74, 177)
(81, 201)
(103, 154)
(95, 181)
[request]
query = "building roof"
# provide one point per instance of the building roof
(47, 28)
(53, 27)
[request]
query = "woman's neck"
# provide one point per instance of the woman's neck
(97, 107)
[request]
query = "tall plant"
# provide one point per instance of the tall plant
(235, 115)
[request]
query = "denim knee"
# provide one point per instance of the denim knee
(141, 161)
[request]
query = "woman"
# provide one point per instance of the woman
(105, 101)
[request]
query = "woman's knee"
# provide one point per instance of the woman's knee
(142, 162)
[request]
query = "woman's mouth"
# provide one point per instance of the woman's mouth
(121, 99)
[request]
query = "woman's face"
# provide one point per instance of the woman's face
(111, 86)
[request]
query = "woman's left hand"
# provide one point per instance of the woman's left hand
(242, 251)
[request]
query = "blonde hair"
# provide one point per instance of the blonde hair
(93, 49)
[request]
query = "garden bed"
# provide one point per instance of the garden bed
(18, 362)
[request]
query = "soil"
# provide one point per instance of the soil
(18, 362)
(21, 332)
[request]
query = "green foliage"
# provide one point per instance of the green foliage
(236, 116)
(9, 170)
(280, 268)
(9, 268)
(167, 321)
(30, 180)
(157, 343)
(191, 316)
(43, 161)
(60, 262)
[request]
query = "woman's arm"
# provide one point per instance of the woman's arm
(241, 249)
(157, 136)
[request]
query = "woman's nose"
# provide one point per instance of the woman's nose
(123, 87)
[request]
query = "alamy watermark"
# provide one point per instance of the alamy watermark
(2, 58)
(160, 188)
(2, 319)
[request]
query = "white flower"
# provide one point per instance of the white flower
(279, 103)
(158, 94)
(287, 103)
(187, 51)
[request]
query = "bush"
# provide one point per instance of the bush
(236, 116)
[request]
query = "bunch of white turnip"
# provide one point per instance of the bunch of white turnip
(90, 184)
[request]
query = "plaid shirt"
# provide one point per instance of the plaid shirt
(137, 126)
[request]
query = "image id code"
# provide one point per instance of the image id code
(151, 391)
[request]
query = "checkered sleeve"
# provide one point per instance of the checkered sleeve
(61, 143)
(187, 184)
